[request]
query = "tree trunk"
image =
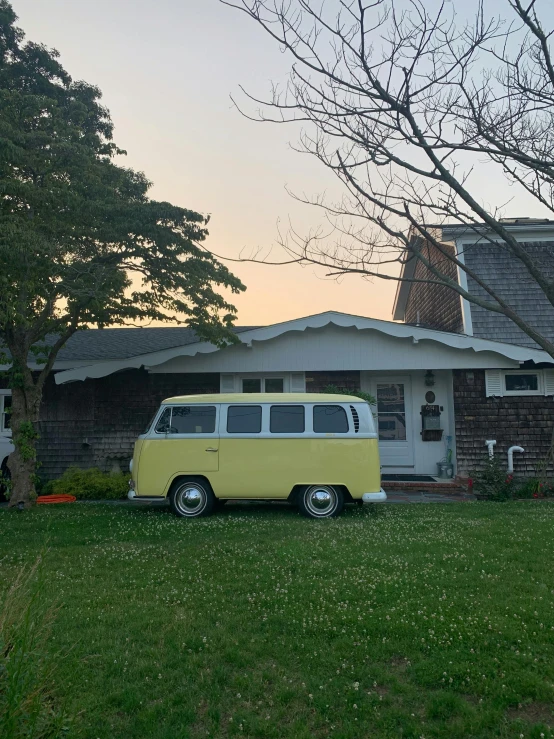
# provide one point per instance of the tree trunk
(22, 462)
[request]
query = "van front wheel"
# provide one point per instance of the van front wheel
(321, 501)
(191, 498)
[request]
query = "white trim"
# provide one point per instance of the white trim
(4, 432)
(525, 232)
(495, 383)
(511, 393)
(464, 302)
(344, 320)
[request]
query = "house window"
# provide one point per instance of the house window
(499, 383)
(252, 385)
(244, 419)
(330, 419)
(274, 385)
(520, 383)
(5, 411)
(286, 419)
(391, 411)
(263, 384)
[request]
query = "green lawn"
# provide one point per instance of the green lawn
(401, 621)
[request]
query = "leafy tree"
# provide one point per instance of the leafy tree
(81, 243)
(407, 106)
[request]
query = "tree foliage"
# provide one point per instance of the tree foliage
(81, 243)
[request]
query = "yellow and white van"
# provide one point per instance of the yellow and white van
(318, 451)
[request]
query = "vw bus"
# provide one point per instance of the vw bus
(317, 451)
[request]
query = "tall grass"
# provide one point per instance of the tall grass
(28, 705)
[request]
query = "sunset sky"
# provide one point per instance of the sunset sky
(166, 69)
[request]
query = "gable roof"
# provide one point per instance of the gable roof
(265, 333)
(121, 343)
(506, 275)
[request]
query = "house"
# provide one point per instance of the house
(497, 405)
(444, 375)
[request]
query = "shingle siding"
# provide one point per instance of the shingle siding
(511, 281)
(430, 305)
(95, 423)
(523, 420)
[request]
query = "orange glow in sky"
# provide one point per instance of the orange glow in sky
(166, 70)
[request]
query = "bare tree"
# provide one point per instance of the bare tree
(401, 103)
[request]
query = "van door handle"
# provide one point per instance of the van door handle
(211, 449)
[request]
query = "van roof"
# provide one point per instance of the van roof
(264, 398)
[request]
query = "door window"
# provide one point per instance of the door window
(193, 419)
(187, 419)
(330, 419)
(244, 419)
(391, 411)
(5, 410)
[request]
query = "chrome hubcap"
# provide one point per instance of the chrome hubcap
(191, 499)
(321, 500)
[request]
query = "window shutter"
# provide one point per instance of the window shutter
(493, 383)
(549, 381)
(227, 383)
(297, 382)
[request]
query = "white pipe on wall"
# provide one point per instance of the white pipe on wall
(511, 451)
(490, 444)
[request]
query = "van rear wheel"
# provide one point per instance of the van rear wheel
(192, 498)
(321, 501)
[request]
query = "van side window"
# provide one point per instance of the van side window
(162, 427)
(244, 419)
(286, 419)
(193, 419)
(330, 419)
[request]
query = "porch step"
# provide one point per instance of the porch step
(437, 486)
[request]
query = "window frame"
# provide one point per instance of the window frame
(3, 430)
(262, 379)
(511, 393)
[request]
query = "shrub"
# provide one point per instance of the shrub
(91, 484)
(493, 482)
(336, 390)
(534, 488)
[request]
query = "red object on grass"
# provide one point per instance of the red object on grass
(47, 499)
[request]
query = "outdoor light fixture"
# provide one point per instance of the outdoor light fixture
(429, 378)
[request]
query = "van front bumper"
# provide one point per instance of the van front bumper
(379, 497)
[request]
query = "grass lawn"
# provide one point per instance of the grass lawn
(401, 621)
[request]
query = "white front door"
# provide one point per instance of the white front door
(394, 420)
